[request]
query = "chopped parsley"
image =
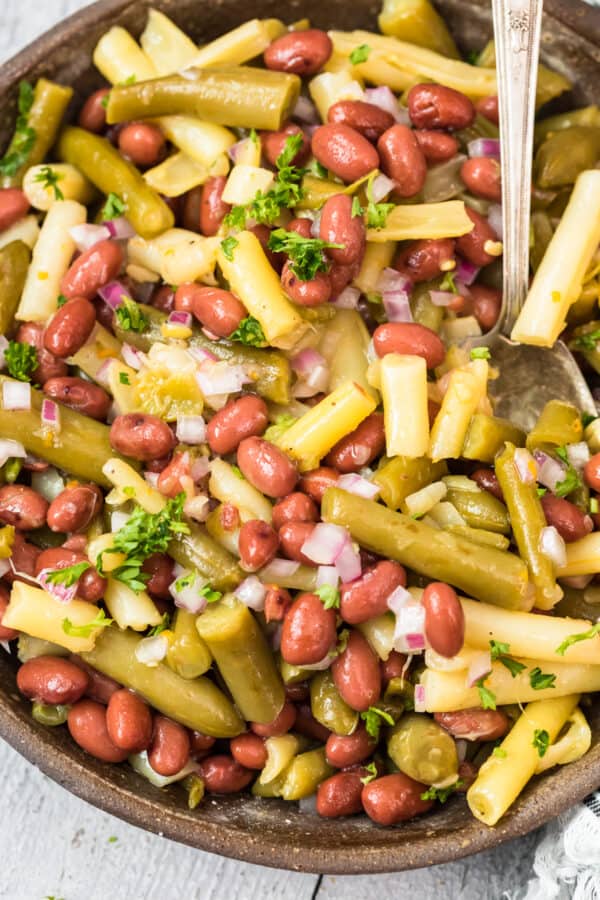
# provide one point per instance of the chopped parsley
(500, 651)
(575, 638)
(586, 341)
(129, 315)
(357, 209)
(228, 246)
(113, 208)
(24, 137)
(372, 770)
(360, 54)
(49, 178)
(571, 481)
(480, 353)
(342, 641)
(253, 136)
(539, 680)
(249, 332)
(211, 595)
(306, 254)
(21, 360)
(162, 626)
(448, 283)
(373, 717)
(282, 423)
(185, 581)
(113, 839)
(238, 472)
(84, 631)
(541, 492)
(487, 697)
(61, 300)
(541, 741)
(318, 169)
(441, 794)
(329, 595)
(377, 213)
(587, 419)
(123, 378)
(499, 752)
(69, 575)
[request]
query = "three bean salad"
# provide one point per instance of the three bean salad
(261, 528)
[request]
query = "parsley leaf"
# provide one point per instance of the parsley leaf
(571, 481)
(587, 419)
(377, 214)
(129, 315)
(373, 717)
(123, 378)
(441, 794)
(306, 253)
(211, 595)
(83, 631)
(69, 575)
(500, 651)
(539, 680)
(329, 595)
(586, 341)
(575, 638)
(282, 423)
(24, 137)
(541, 492)
(360, 54)
(357, 209)
(342, 641)
(162, 626)
(113, 208)
(372, 770)
(499, 752)
(487, 697)
(448, 283)
(61, 300)
(49, 178)
(228, 246)
(249, 332)
(21, 360)
(480, 353)
(541, 741)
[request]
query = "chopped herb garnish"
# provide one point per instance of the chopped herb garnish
(373, 718)
(61, 300)
(130, 316)
(587, 419)
(499, 752)
(228, 246)
(357, 209)
(249, 332)
(360, 54)
(282, 423)
(541, 492)
(329, 595)
(372, 770)
(306, 254)
(539, 680)
(575, 638)
(185, 581)
(500, 651)
(487, 697)
(49, 178)
(480, 353)
(441, 794)
(253, 136)
(342, 642)
(69, 575)
(586, 341)
(84, 631)
(162, 626)
(21, 360)
(237, 472)
(472, 57)
(377, 214)
(448, 283)
(113, 839)
(211, 595)
(24, 137)
(113, 208)
(541, 741)
(123, 378)
(318, 169)
(572, 480)
(594, 505)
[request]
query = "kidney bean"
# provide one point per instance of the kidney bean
(472, 245)
(100, 687)
(316, 481)
(487, 481)
(74, 508)
(51, 680)
(13, 206)
(567, 518)
(223, 775)
(360, 447)
(201, 743)
(340, 795)
(426, 259)
(402, 160)
(273, 144)
(70, 327)
(169, 748)
(474, 724)
(297, 693)
(481, 175)
(444, 619)
(300, 52)
(217, 310)
(312, 292)
(339, 226)
(277, 603)
(296, 507)
(591, 472)
(487, 303)
(83, 396)
(437, 146)
(366, 118)
(366, 597)
(258, 544)
(128, 721)
(344, 151)
(349, 750)
(300, 226)
(394, 798)
(93, 269)
(488, 108)
(87, 725)
(263, 233)
(213, 208)
(141, 436)
(307, 725)
(93, 112)
(169, 480)
(438, 106)
(410, 338)
(394, 666)
(142, 143)
(248, 750)
(292, 536)
(23, 558)
(239, 419)
(341, 276)
(281, 724)
(356, 673)
(6, 634)
(308, 631)
(163, 298)
(91, 585)
(48, 366)
(22, 507)
(160, 568)
(266, 467)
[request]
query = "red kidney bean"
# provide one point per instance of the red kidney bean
(394, 666)
(307, 725)
(366, 118)
(13, 206)
(87, 398)
(475, 724)
(277, 603)
(91, 585)
(93, 269)
(340, 795)
(297, 693)
(437, 146)
(273, 144)
(281, 724)
(567, 518)
(239, 419)
(296, 507)
(444, 619)
(467, 773)
(300, 226)
(169, 480)
(258, 544)
(6, 634)
(217, 310)
(316, 481)
(141, 436)
(402, 160)
(51, 680)
(300, 52)
(229, 516)
(223, 775)
(481, 175)
(427, 259)
(339, 226)
(472, 245)
(366, 597)
(356, 673)
(591, 472)
(266, 467)
(394, 798)
(263, 233)
(93, 112)
(349, 750)
(142, 143)
(360, 447)
(312, 292)
(248, 750)
(487, 481)
(74, 508)
(488, 108)
(341, 276)
(100, 687)
(292, 536)
(169, 749)
(487, 302)
(159, 566)
(48, 365)
(163, 298)
(437, 106)
(344, 151)
(22, 507)
(23, 558)
(87, 725)
(308, 631)
(213, 208)
(201, 743)
(128, 721)
(410, 338)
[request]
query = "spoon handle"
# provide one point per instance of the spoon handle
(517, 30)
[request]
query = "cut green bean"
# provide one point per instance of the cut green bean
(586, 340)
(304, 774)
(480, 509)
(401, 476)
(417, 22)
(487, 435)
(589, 115)
(481, 536)
(14, 262)
(559, 423)
(197, 550)
(188, 654)
(327, 706)
(49, 715)
(423, 750)
(565, 155)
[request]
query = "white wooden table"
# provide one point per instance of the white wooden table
(53, 845)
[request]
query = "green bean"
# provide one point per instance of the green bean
(401, 476)
(424, 311)
(30, 647)
(49, 715)
(103, 165)
(542, 235)
(244, 658)
(528, 521)
(198, 704)
(7, 539)
(14, 262)
(304, 578)
(304, 774)
(480, 509)
(269, 368)
(187, 655)
(482, 572)
(327, 706)
(417, 22)
(481, 536)
(565, 155)
(585, 306)
(400, 690)
(423, 750)
(549, 84)
(487, 435)
(236, 96)
(589, 115)
(50, 102)
(194, 786)
(583, 342)
(559, 423)
(292, 674)
(576, 605)
(271, 788)
(82, 446)
(481, 128)
(197, 550)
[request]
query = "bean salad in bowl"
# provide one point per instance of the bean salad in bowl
(261, 528)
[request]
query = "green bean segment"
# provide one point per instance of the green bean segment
(487, 435)
(197, 550)
(188, 654)
(327, 706)
(14, 262)
(423, 750)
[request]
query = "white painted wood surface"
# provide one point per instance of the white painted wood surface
(54, 845)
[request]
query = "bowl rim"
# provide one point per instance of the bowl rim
(241, 842)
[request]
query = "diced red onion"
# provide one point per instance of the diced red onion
(188, 597)
(50, 415)
(152, 650)
(132, 356)
(442, 298)
(314, 383)
(197, 508)
(191, 429)
(391, 280)
(579, 582)
(553, 546)
(327, 575)
(348, 564)
(461, 750)
(87, 235)
(386, 100)
(306, 111)
(279, 568)
(486, 147)
(202, 355)
(397, 306)
(103, 371)
(200, 467)
(578, 454)
(151, 478)
(113, 294)
(465, 271)
(480, 667)
(235, 149)
(10, 449)
(252, 593)
(315, 228)
(16, 395)
(120, 228)
(409, 630)
(526, 466)
(381, 187)
(323, 663)
(221, 378)
(355, 484)
(325, 543)
(59, 591)
(304, 362)
(494, 218)
(419, 698)
(118, 519)
(179, 317)
(550, 470)
(348, 299)
(399, 598)
(49, 483)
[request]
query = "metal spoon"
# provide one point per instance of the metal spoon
(529, 376)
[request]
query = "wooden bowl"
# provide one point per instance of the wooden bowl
(271, 832)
